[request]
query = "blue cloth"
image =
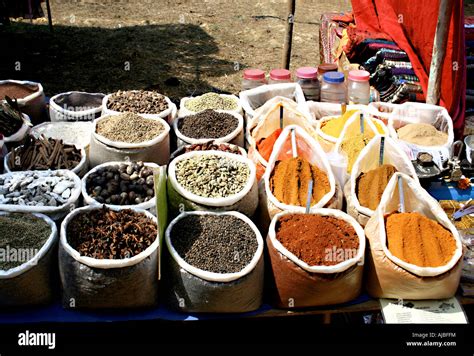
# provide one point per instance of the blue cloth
(54, 313)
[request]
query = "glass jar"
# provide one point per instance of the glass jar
(358, 87)
(333, 89)
(325, 68)
(279, 76)
(307, 78)
(253, 78)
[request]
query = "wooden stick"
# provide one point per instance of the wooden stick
(309, 197)
(285, 62)
(439, 50)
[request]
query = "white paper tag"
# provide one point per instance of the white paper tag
(447, 311)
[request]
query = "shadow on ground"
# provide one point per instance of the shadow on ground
(170, 58)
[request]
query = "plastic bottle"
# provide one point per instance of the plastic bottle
(253, 78)
(333, 89)
(279, 76)
(358, 87)
(307, 78)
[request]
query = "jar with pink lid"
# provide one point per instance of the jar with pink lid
(253, 78)
(279, 76)
(358, 87)
(307, 78)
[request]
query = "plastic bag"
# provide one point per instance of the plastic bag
(411, 113)
(191, 289)
(389, 276)
(309, 149)
(236, 137)
(255, 98)
(296, 284)
(180, 199)
(89, 283)
(267, 121)
(88, 200)
(369, 160)
(33, 282)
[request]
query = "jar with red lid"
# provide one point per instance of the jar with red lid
(307, 78)
(253, 78)
(279, 76)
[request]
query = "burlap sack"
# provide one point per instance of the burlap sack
(294, 284)
(389, 277)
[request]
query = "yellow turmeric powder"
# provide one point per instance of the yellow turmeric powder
(352, 146)
(335, 126)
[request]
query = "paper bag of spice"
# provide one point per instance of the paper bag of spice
(368, 178)
(108, 258)
(28, 242)
(214, 263)
(286, 177)
(350, 143)
(316, 259)
(391, 276)
(266, 122)
(212, 181)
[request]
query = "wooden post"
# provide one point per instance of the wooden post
(439, 50)
(285, 62)
(50, 19)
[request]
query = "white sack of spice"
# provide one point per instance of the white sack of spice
(212, 178)
(130, 130)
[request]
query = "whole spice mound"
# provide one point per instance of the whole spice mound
(212, 101)
(371, 185)
(422, 134)
(290, 178)
(352, 146)
(129, 128)
(11, 119)
(207, 124)
(418, 240)
(21, 238)
(211, 146)
(214, 243)
(317, 240)
(47, 188)
(44, 153)
(137, 101)
(107, 234)
(212, 176)
(124, 184)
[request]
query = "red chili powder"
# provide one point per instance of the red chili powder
(317, 240)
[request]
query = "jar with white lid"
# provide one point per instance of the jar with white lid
(253, 78)
(279, 76)
(333, 88)
(307, 78)
(358, 87)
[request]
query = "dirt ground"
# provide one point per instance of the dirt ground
(177, 47)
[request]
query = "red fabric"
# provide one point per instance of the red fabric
(412, 25)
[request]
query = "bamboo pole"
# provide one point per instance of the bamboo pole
(439, 51)
(285, 62)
